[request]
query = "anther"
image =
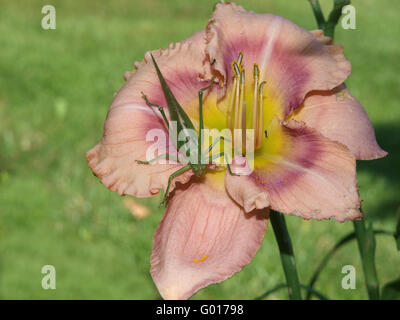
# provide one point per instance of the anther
(240, 60)
(236, 68)
(242, 76)
(256, 71)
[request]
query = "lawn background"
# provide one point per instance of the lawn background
(55, 89)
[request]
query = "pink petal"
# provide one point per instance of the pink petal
(113, 160)
(320, 36)
(129, 119)
(198, 39)
(182, 67)
(340, 117)
(314, 177)
(292, 60)
(248, 195)
(203, 238)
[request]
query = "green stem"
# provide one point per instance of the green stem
(319, 16)
(334, 17)
(328, 26)
(365, 236)
(286, 252)
(366, 245)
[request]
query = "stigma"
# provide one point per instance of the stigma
(237, 108)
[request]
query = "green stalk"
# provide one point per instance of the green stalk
(286, 252)
(319, 16)
(328, 26)
(334, 17)
(365, 236)
(366, 245)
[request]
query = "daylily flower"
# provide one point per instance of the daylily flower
(287, 83)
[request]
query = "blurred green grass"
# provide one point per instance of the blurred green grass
(55, 89)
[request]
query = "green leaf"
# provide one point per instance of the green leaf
(346, 239)
(283, 285)
(366, 246)
(286, 252)
(391, 290)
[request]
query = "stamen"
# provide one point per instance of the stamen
(236, 68)
(259, 130)
(230, 106)
(244, 129)
(234, 97)
(238, 116)
(240, 60)
(237, 107)
(236, 103)
(256, 75)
